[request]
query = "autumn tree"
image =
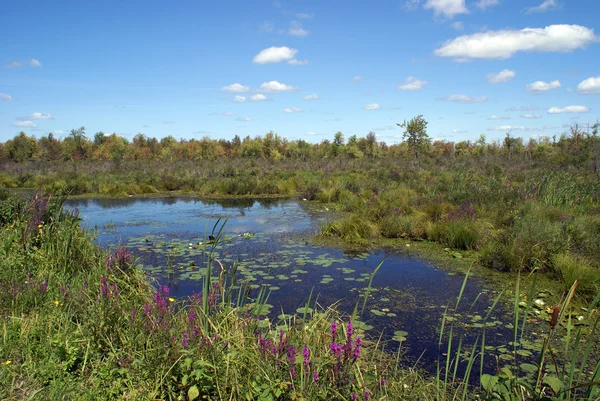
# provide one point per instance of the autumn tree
(415, 134)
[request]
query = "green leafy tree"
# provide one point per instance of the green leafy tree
(415, 134)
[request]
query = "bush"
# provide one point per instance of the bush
(570, 268)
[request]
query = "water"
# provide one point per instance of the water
(270, 241)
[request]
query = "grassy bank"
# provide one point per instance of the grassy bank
(80, 323)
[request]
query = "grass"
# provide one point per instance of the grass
(78, 322)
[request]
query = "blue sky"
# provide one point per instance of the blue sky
(302, 69)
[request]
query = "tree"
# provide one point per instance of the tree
(415, 134)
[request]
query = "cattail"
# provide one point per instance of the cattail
(554, 319)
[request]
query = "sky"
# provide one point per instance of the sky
(303, 69)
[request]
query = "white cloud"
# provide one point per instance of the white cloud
(498, 118)
(239, 99)
(259, 97)
(449, 8)
(4, 96)
(225, 114)
(292, 110)
(32, 62)
(546, 5)
(505, 43)
(372, 106)
(297, 30)
(463, 99)
(531, 116)
(412, 84)
(245, 119)
(541, 86)
(275, 86)
(24, 124)
(357, 78)
(459, 131)
(266, 26)
(568, 109)
(305, 15)
(507, 128)
(312, 133)
(483, 4)
(235, 88)
(458, 25)
(311, 96)
(297, 62)
(500, 77)
(523, 108)
(589, 86)
(37, 116)
(275, 55)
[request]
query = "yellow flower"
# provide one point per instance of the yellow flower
(56, 303)
(171, 299)
(7, 362)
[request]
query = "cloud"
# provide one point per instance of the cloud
(483, 4)
(275, 86)
(36, 116)
(541, 86)
(259, 97)
(274, 55)
(24, 124)
(305, 15)
(507, 128)
(531, 116)
(239, 99)
(546, 5)
(589, 86)
(5, 97)
(523, 108)
(235, 88)
(372, 106)
(297, 62)
(449, 8)
(412, 84)
(297, 30)
(292, 110)
(504, 44)
(311, 96)
(501, 77)
(459, 131)
(568, 109)
(498, 118)
(266, 26)
(243, 119)
(167, 122)
(458, 25)
(312, 133)
(224, 114)
(357, 78)
(463, 99)
(32, 62)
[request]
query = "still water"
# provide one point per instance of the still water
(270, 241)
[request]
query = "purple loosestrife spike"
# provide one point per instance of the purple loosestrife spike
(367, 395)
(357, 348)
(184, 341)
(306, 353)
(354, 397)
(316, 377)
(333, 330)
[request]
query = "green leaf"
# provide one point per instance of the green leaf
(193, 393)
(554, 382)
(488, 382)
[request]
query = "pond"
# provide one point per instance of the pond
(271, 242)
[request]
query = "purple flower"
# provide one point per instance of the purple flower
(44, 285)
(291, 359)
(367, 395)
(184, 341)
(354, 397)
(306, 353)
(357, 348)
(333, 330)
(316, 377)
